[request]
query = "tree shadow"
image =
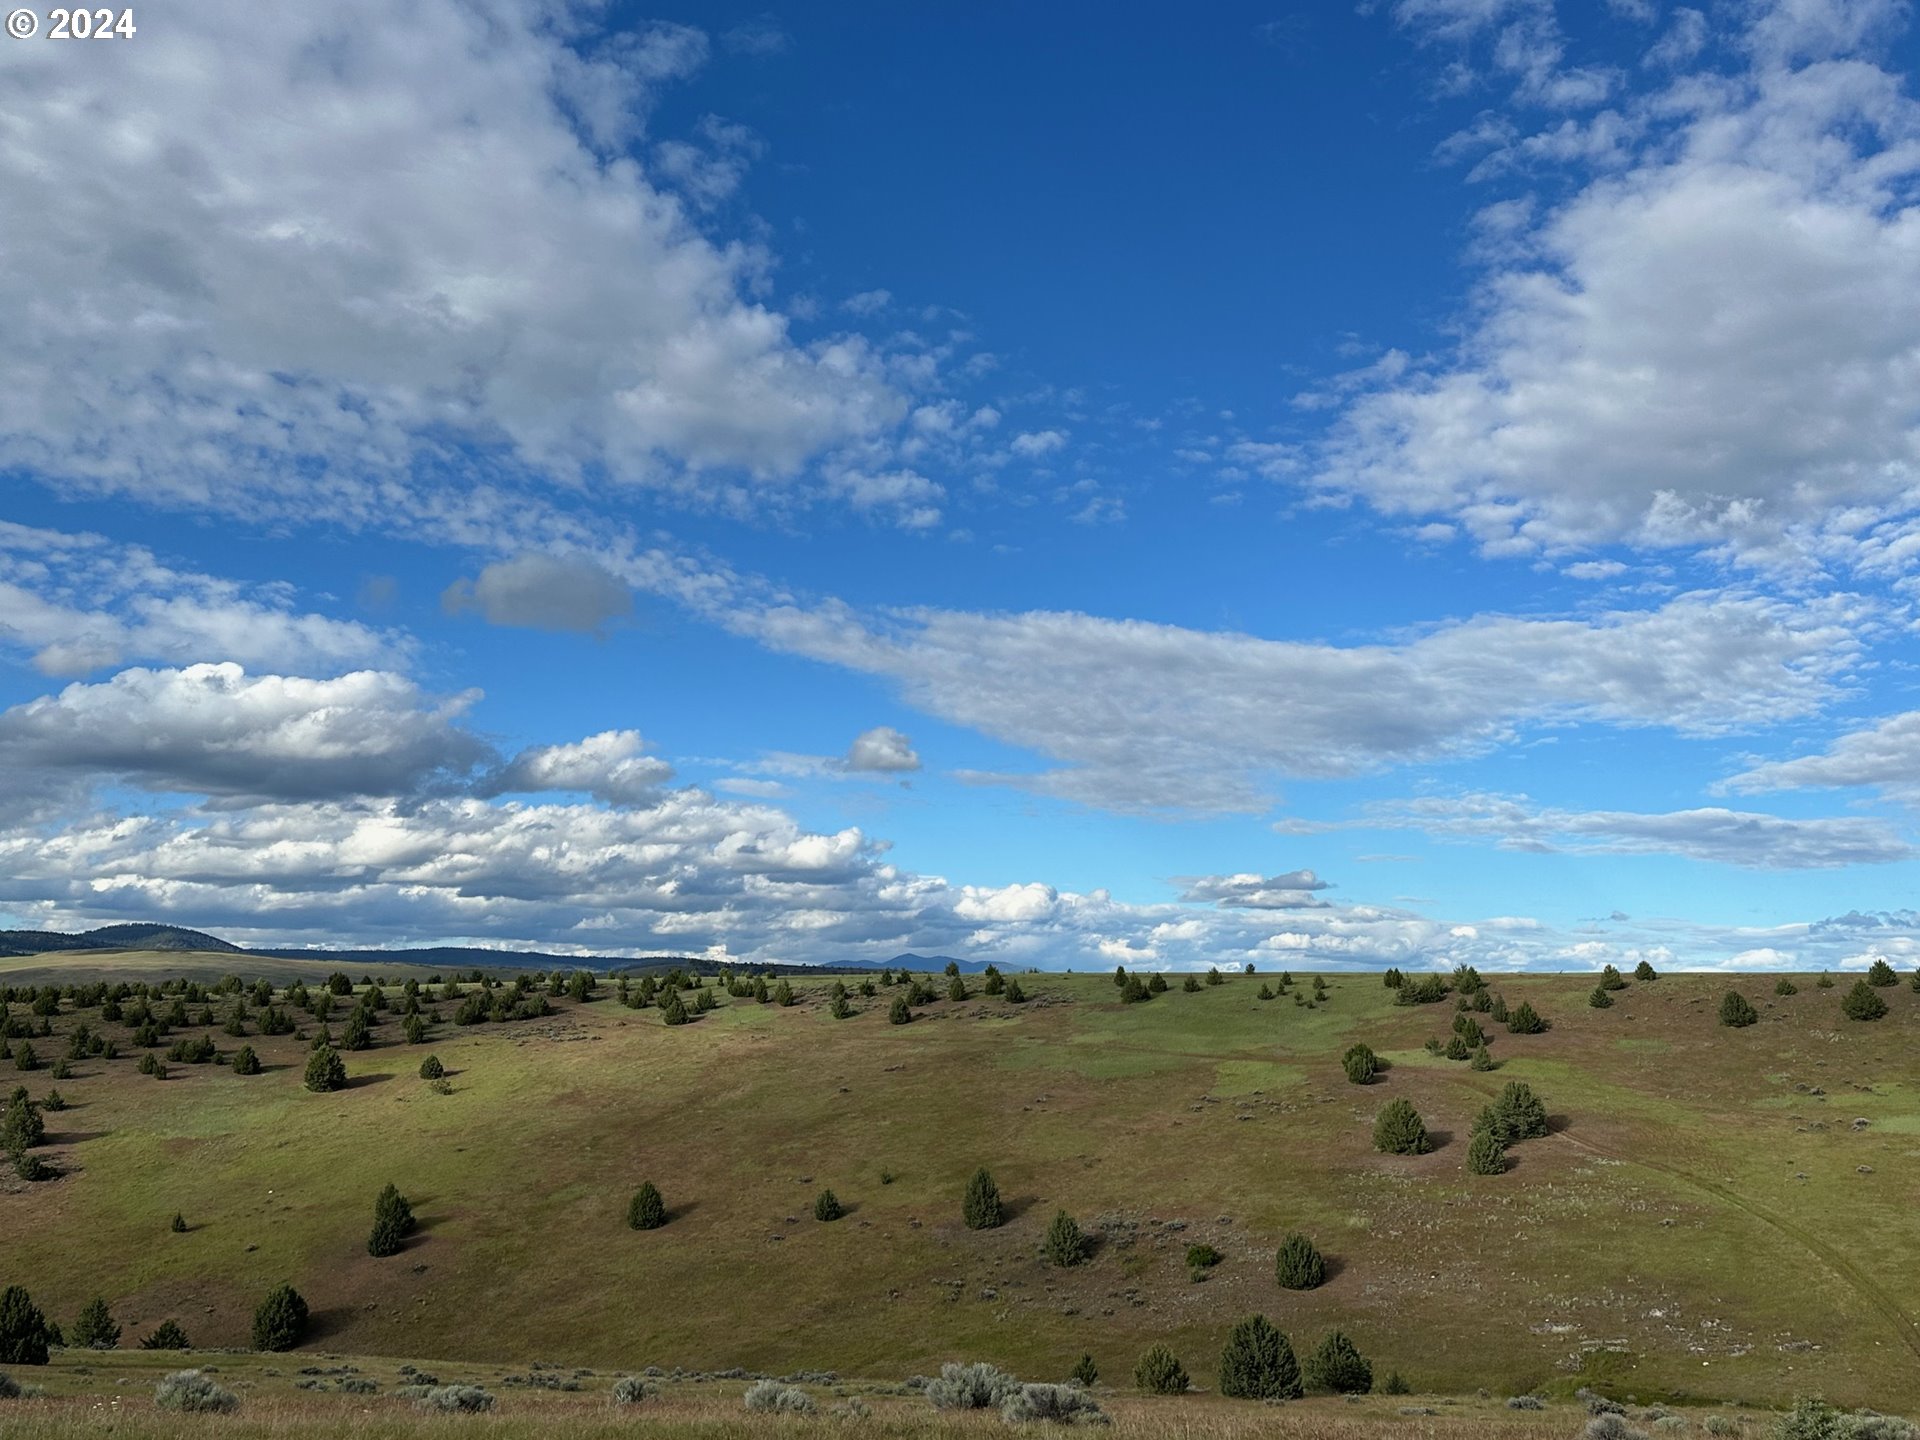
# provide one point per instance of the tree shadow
(324, 1324)
(1559, 1124)
(682, 1210)
(1335, 1266)
(356, 1082)
(74, 1137)
(1013, 1208)
(1438, 1140)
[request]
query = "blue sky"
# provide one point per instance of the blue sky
(1420, 482)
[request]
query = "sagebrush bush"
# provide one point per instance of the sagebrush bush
(1160, 1372)
(9, 1388)
(1298, 1265)
(456, 1399)
(189, 1390)
(1258, 1363)
(1525, 1402)
(630, 1390)
(770, 1397)
(1052, 1404)
(1611, 1427)
(971, 1387)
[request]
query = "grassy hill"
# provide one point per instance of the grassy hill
(1718, 1214)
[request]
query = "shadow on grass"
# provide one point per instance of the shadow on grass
(1012, 1208)
(1438, 1140)
(74, 1137)
(686, 1208)
(1559, 1124)
(356, 1082)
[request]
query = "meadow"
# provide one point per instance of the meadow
(1718, 1217)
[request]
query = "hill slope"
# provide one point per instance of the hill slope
(1707, 1218)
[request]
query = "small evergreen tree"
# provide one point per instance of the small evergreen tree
(1611, 979)
(432, 1069)
(783, 994)
(1736, 1011)
(167, 1335)
(325, 1071)
(1398, 1129)
(281, 1321)
(23, 1329)
(1297, 1265)
(392, 1222)
(957, 988)
(1482, 1060)
(1066, 1244)
(1160, 1372)
(1784, 986)
(1456, 1048)
(899, 1013)
(414, 1027)
(1258, 1363)
(1644, 971)
(1361, 1064)
(1085, 1372)
(838, 1007)
(1486, 1154)
(1523, 1021)
(981, 1208)
(1600, 999)
(1266, 991)
(1015, 995)
(1393, 979)
(1863, 1002)
(1497, 1012)
(647, 1210)
(179, 1223)
(245, 1061)
(95, 1329)
(1880, 974)
(673, 1010)
(1157, 983)
(1519, 1113)
(1192, 986)
(827, 1206)
(1825, 982)
(1337, 1365)
(1214, 977)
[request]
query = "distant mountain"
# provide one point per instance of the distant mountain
(137, 936)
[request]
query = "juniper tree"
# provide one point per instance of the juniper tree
(167, 1335)
(981, 1207)
(1524, 1021)
(95, 1329)
(1297, 1265)
(1486, 1154)
(1214, 977)
(673, 1010)
(783, 994)
(838, 1007)
(1017, 996)
(1066, 1244)
(1611, 979)
(1393, 979)
(957, 988)
(1880, 973)
(23, 1329)
(1784, 986)
(1361, 1064)
(432, 1069)
(392, 1222)
(647, 1210)
(326, 1070)
(1258, 1363)
(1160, 1372)
(1863, 1002)
(1337, 1365)
(1119, 977)
(178, 1224)
(1157, 983)
(1398, 1129)
(1456, 1048)
(1498, 1012)
(281, 1321)
(899, 1013)
(827, 1206)
(1736, 1011)
(1191, 984)
(1482, 1060)
(415, 1029)
(1599, 999)
(1517, 1114)
(1084, 1372)
(1644, 971)
(1266, 991)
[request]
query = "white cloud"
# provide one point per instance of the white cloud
(1709, 348)
(1886, 754)
(542, 592)
(1033, 444)
(215, 730)
(1291, 891)
(882, 749)
(610, 766)
(264, 314)
(1031, 901)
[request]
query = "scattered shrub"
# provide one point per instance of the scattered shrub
(1298, 1265)
(1361, 1064)
(971, 1387)
(1880, 973)
(1456, 1048)
(1736, 1011)
(982, 1209)
(95, 1329)
(9, 1388)
(1395, 1384)
(431, 1068)
(1084, 1372)
(630, 1390)
(1159, 1371)
(1486, 1154)
(827, 1206)
(1610, 1426)
(167, 1335)
(1214, 977)
(1393, 979)
(1398, 1129)
(1644, 971)
(1337, 1365)
(1532, 1402)
(1863, 1002)
(1599, 999)
(392, 1222)
(1825, 982)
(647, 1210)
(1482, 1060)
(1065, 1244)
(1524, 1020)
(281, 1321)
(1258, 1363)
(1784, 986)
(1202, 1257)
(326, 1071)
(245, 1061)
(456, 1399)
(1053, 1404)
(190, 1390)
(899, 1013)
(1191, 985)
(178, 1224)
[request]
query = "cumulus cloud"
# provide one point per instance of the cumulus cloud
(1727, 837)
(542, 592)
(610, 766)
(1291, 891)
(215, 730)
(1034, 444)
(262, 313)
(1707, 345)
(76, 603)
(882, 749)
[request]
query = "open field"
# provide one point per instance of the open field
(1709, 1222)
(61, 966)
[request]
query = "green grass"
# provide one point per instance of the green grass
(1693, 1224)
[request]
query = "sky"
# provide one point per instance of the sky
(1421, 483)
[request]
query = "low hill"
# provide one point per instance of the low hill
(1715, 1215)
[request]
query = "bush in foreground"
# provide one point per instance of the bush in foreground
(770, 1397)
(1160, 1372)
(971, 1387)
(1298, 1265)
(1336, 1364)
(1486, 1154)
(189, 1390)
(281, 1321)
(1052, 1404)
(1258, 1363)
(630, 1390)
